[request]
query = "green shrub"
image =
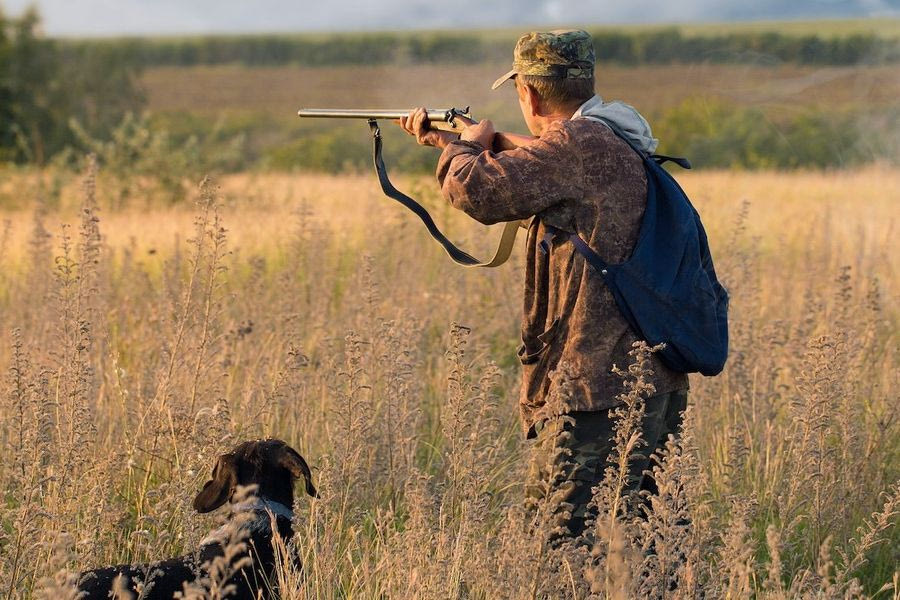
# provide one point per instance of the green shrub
(42, 88)
(717, 134)
(148, 161)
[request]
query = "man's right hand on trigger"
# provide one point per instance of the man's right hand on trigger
(416, 125)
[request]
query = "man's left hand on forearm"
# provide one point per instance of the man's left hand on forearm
(416, 124)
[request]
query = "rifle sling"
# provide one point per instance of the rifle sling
(507, 239)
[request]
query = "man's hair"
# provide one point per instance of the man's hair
(558, 92)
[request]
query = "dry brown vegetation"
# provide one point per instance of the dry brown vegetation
(138, 343)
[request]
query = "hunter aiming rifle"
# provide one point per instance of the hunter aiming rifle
(445, 119)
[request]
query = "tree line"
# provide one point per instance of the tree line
(661, 46)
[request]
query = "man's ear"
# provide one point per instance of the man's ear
(218, 490)
(291, 460)
(532, 100)
(520, 88)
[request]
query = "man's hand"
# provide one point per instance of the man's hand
(416, 124)
(482, 132)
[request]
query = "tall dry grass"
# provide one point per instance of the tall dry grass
(139, 344)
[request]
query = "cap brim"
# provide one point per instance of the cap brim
(503, 79)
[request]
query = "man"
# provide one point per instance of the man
(575, 175)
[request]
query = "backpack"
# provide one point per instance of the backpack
(667, 290)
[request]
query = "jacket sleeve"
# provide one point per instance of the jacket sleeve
(516, 184)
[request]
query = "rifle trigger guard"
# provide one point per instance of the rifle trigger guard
(455, 112)
(376, 130)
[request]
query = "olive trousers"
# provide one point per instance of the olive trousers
(570, 457)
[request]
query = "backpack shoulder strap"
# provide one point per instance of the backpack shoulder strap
(657, 158)
(581, 246)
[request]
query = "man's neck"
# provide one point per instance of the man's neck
(545, 121)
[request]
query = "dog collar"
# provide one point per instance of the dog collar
(260, 524)
(263, 505)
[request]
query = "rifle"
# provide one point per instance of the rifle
(439, 118)
(444, 119)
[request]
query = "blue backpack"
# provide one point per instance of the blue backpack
(667, 290)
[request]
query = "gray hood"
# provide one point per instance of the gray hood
(628, 119)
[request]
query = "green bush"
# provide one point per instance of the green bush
(716, 134)
(41, 89)
(148, 161)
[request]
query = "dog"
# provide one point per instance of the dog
(272, 467)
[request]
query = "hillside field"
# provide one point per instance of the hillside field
(741, 116)
(280, 91)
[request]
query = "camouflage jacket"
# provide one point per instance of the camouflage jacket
(578, 176)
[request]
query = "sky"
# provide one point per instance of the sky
(122, 17)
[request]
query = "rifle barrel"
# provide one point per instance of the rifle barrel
(434, 114)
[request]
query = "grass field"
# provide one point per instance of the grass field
(140, 342)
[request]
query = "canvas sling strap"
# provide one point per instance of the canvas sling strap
(507, 239)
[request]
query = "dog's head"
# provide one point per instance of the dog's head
(271, 465)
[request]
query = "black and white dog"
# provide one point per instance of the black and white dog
(270, 465)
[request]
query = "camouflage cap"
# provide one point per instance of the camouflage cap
(564, 53)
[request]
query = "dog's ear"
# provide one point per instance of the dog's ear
(218, 490)
(291, 460)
